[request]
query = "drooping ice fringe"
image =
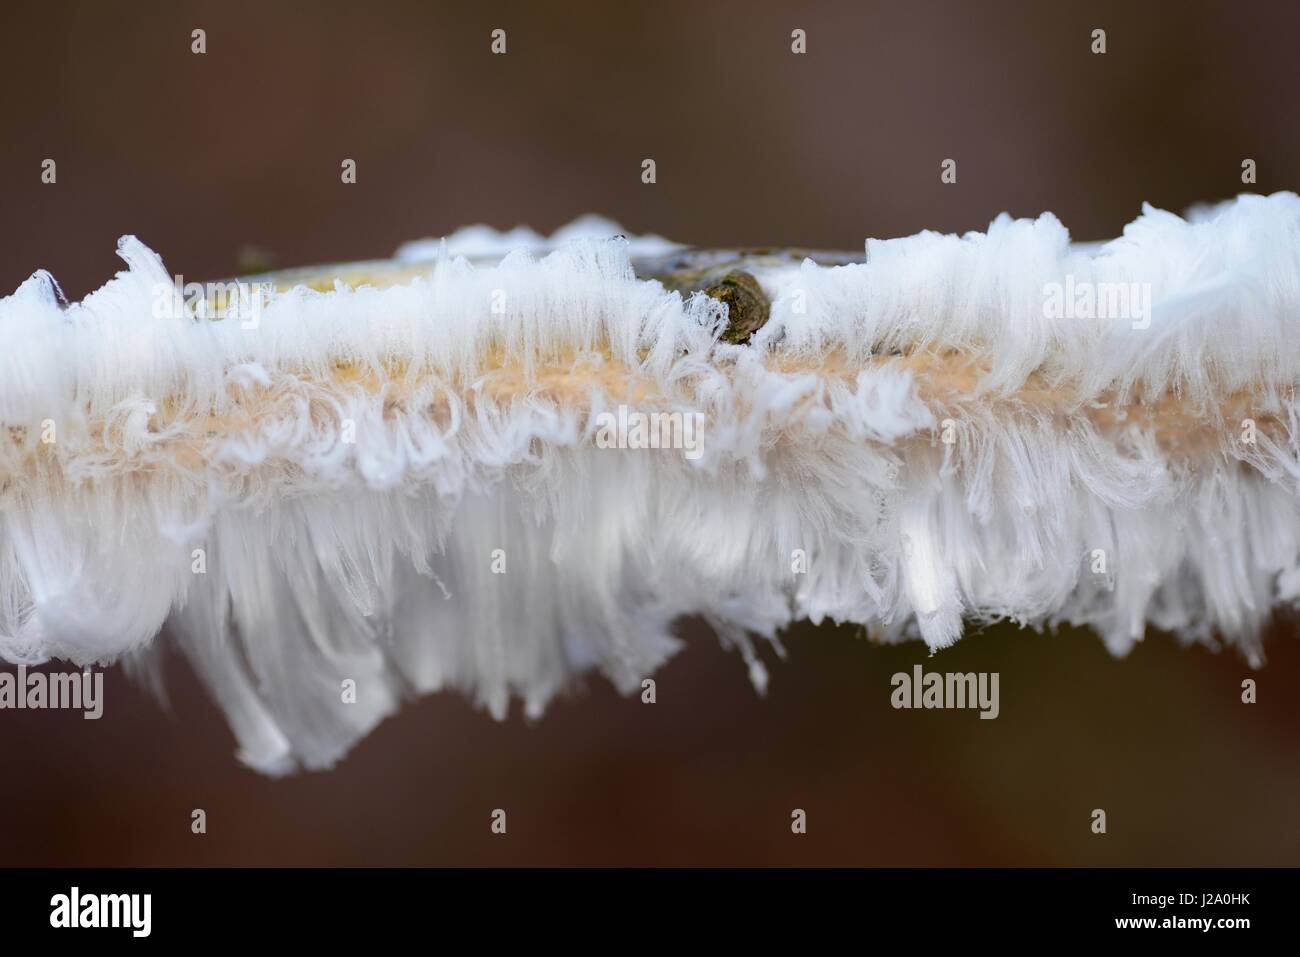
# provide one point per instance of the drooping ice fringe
(414, 487)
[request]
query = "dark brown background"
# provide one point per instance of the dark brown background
(202, 156)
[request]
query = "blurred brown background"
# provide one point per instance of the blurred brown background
(202, 156)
